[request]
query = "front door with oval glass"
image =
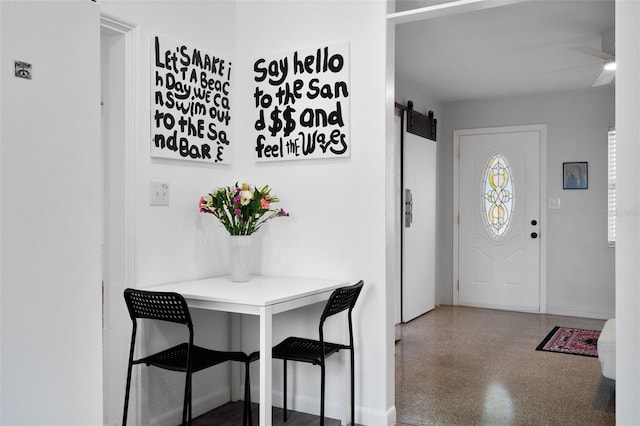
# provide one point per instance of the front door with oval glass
(499, 223)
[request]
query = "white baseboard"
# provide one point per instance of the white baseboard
(334, 410)
(579, 313)
(311, 405)
(391, 416)
(370, 417)
(200, 405)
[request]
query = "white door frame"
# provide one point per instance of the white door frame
(542, 128)
(118, 247)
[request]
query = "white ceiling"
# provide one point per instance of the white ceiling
(517, 49)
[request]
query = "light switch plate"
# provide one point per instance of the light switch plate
(553, 203)
(159, 194)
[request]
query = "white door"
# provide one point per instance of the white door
(499, 217)
(419, 225)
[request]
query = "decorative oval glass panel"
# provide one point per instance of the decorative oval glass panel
(497, 195)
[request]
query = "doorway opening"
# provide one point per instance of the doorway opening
(116, 52)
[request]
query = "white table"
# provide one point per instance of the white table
(261, 295)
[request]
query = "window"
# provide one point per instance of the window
(497, 196)
(611, 201)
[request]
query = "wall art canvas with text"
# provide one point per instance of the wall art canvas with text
(190, 103)
(302, 104)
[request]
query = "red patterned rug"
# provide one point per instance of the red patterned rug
(574, 341)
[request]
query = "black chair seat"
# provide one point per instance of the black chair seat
(305, 350)
(175, 358)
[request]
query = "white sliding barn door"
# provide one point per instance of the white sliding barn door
(419, 226)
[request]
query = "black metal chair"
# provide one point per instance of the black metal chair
(185, 357)
(316, 351)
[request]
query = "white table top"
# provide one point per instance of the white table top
(260, 291)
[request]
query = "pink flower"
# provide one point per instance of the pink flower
(238, 212)
(264, 203)
(283, 213)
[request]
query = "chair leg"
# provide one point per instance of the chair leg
(353, 392)
(322, 393)
(284, 387)
(126, 396)
(247, 417)
(186, 406)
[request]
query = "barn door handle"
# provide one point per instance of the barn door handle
(408, 208)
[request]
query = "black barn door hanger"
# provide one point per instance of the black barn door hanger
(420, 124)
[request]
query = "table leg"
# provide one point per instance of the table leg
(237, 372)
(265, 365)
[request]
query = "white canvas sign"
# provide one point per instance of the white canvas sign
(302, 104)
(190, 106)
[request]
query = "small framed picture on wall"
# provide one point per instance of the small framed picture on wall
(575, 175)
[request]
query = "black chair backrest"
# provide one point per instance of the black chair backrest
(341, 299)
(163, 306)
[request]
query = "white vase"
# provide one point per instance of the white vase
(240, 246)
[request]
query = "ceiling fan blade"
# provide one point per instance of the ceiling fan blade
(592, 52)
(605, 77)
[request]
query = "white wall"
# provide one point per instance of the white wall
(50, 220)
(628, 224)
(337, 226)
(580, 265)
(408, 90)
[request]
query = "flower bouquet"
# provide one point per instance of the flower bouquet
(242, 210)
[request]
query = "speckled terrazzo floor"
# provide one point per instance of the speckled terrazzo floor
(468, 366)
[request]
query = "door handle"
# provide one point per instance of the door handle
(534, 235)
(408, 208)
